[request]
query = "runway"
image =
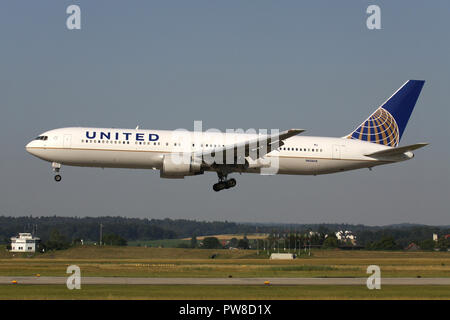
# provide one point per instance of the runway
(224, 281)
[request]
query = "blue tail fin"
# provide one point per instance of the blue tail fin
(387, 124)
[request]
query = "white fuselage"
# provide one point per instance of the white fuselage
(146, 149)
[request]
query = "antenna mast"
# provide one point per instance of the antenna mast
(101, 230)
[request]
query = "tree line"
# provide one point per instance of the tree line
(307, 241)
(119, 230)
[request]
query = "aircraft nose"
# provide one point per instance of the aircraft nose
(29, 147)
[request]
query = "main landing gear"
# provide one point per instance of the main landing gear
(56, 167)
(224, 183)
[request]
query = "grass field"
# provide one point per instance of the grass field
(173, 262)
(170, 292)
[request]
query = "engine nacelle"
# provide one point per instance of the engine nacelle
(177, 167)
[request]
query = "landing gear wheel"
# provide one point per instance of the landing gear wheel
(56, 168)
(224, 183)
(219, 186)
(230, 183)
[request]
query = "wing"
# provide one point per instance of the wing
(254, 148)
(396, 151)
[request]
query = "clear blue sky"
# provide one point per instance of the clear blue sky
(232, 64)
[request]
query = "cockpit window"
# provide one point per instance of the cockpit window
(42, 138)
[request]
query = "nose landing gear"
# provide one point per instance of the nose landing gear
(224, 183)
(56, 167)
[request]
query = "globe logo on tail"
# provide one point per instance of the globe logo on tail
(380, 128)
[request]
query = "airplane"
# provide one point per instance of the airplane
(177, 154)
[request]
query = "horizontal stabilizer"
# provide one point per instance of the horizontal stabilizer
(396, 151)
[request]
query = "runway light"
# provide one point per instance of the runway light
(38, 275)
(14, 282)
(267, 283)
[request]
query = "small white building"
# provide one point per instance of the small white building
(282, 256)
(25, 242)
(346, 236)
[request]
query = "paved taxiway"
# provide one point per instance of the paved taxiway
(225, 281)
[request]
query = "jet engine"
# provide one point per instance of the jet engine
(177, 166)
